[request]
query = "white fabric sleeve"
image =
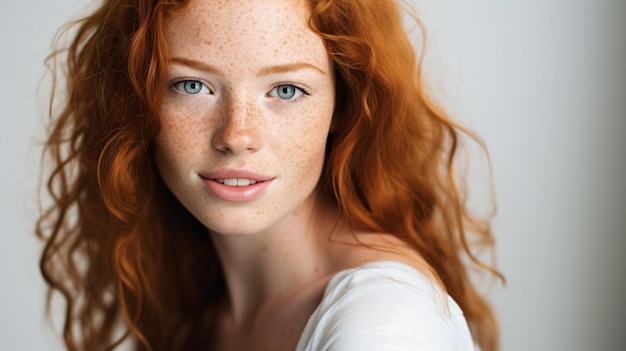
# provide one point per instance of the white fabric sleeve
(385, 306)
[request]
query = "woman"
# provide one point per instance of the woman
(251, 175)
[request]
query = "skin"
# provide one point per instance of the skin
(275, 249)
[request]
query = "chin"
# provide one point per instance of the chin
(236, 228)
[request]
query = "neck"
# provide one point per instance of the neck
(271, 266)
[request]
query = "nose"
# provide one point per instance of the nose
(239, 128)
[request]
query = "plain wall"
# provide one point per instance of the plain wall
(544, 84)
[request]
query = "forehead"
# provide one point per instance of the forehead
(253, 30)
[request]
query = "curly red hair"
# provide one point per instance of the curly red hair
(110, 248)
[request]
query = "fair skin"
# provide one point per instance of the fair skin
(245, 119)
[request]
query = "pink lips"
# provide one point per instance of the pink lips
(250, 186)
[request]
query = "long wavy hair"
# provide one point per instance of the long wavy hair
(133, 265)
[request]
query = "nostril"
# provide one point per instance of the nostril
(236, 138)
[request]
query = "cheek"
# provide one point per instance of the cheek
(176, 139)
(308, 142)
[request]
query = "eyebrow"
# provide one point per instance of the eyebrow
(201, 66)
(284, 68)
(289, 67)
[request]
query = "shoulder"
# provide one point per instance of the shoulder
(385, 305)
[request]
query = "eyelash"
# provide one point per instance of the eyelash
(182, 80)
(296, 86)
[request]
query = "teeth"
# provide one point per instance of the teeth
(230, 182)
(236, 181)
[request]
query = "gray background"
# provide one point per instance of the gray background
(543, 82)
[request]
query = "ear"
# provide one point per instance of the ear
(338, 113)
(334, 124)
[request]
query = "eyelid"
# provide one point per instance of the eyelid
(178, 80)
(304, 90)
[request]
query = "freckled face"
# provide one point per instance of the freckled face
(246, 114)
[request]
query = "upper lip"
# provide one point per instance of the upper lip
(235, 173)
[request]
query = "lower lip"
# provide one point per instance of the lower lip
(236, 193)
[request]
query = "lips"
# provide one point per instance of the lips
(236, 181)
(236, 185)
(230, 174)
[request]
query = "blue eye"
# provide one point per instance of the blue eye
(191, 87)
(287, 92)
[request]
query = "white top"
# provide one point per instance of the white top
(385, 305)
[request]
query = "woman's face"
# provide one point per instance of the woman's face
(246, 114)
